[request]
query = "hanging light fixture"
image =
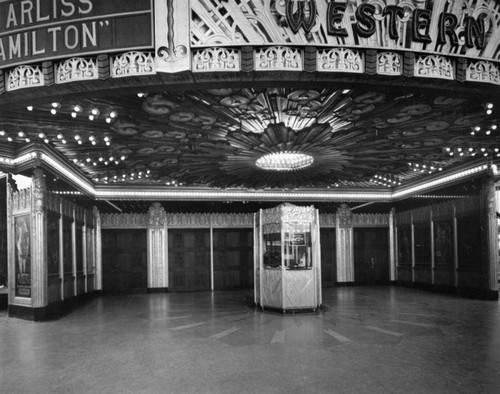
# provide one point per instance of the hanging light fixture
(284, 161)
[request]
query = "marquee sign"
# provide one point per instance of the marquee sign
(34, 30)
(467, 28)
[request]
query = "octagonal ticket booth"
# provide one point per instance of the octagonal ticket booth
(287, 259)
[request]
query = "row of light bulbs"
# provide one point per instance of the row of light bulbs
(77, 109)
(488, 131)
(60, 137)
(424, 168)
(123, 177)
(101, 159)
(472, 151)
(386, 180)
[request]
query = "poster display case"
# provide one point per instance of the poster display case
(287, 259)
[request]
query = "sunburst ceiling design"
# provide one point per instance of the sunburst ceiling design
(214, 137)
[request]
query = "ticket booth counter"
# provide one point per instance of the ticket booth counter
(287, 259)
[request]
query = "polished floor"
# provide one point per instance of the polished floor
(365, 340)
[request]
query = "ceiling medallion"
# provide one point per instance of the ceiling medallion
(284, 161)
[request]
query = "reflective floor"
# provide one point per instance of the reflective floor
(366, 340)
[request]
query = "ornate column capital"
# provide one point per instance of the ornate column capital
(344, 215)
(157, 216)
(39, 187)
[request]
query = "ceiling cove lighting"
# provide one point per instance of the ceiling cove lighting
(284, 161)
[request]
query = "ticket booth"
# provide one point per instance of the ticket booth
(287, 259)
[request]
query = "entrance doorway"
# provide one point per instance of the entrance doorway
(124, 261)
(371, 256)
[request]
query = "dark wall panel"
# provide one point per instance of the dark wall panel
(189, 259)
(371, 256)
(328, 257)
(124, 261)
(233, 259)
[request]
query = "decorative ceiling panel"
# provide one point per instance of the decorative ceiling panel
(358, 138)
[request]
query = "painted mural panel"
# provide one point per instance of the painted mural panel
(3, 248)
(443, 243)
(469, 239)
(404, 245)
(79, 248)
(423, 251)
(67, 247)
(22, 255)
(52, 242)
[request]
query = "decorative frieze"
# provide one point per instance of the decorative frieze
(443, 211)
(468, 206)
(124, 220)
(370, 220)
(422, 215)
(389, 63)
(483, 71)
(133, 64)
(188, 220)
(434, 66)
(340, 60)
(77, 69)
(403, 218)
(327, 220)
(216, 59)
(278, 59)
(25, 77)
(21, 200)
(231, 220)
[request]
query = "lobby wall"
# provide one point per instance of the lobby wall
(446, 247)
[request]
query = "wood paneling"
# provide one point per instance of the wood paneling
(233, 259)
(189, 259)
(124, 261)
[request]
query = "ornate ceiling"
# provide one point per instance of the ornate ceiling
(359, 138)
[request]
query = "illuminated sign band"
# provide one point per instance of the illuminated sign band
(33, 30)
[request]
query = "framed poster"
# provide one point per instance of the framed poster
(22, 255)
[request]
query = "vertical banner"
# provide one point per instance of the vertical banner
(172, 36)
(23, 255)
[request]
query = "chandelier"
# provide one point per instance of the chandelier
(284, 161)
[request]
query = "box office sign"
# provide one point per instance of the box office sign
(33, 30)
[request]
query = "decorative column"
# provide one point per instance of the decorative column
(157, 248)
(491, 236)
(96, 247)
(392, 246)
(39, 274)
(344, 235)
